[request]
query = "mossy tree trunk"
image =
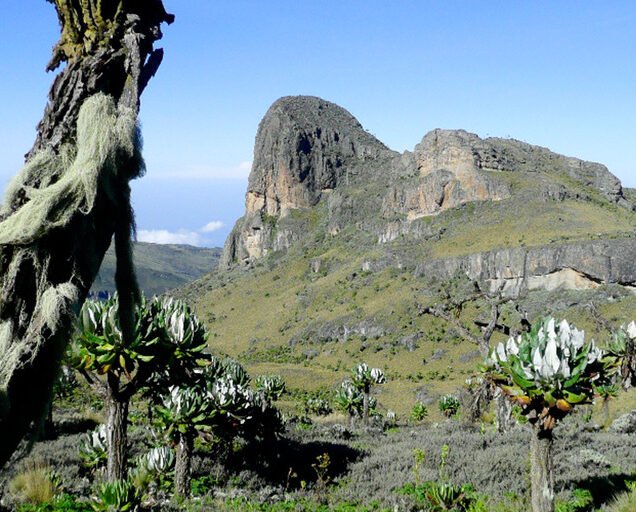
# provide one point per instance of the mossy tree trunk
(542, 470)
(107, 46)
(183, 463)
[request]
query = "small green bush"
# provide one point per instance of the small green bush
(419, 412)
(448, 405)
(93, 448)
(317, 406)
(61, 503)
(435, 496)
(120, 495)
(581, 500)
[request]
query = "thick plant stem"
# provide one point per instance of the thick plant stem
(542, 472)
(365, 407)
(504, 413)
(117, 432)
(183, 464)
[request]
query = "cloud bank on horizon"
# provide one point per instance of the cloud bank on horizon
(180, 237)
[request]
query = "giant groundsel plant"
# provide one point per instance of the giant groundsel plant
(547, 371)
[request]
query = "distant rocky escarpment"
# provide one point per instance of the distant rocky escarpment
(573, 266)
(318, 173)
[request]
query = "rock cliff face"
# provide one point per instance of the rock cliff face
(575, 266)
(304, 146)
(312, 155)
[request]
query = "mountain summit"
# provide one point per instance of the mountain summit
(312, 155)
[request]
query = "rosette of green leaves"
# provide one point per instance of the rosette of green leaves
(181, 328)
(101, 346)
(158, 460)
(231, 402)
(364, 377)
(154, 468)
(119, 496)
(349, 399)
(448, 405)
(621, 353)
(269, 388)
(93, 448)
(317, 406)
(184, 411)
(233, 371)
(548, 370)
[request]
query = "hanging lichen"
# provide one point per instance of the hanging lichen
(106, 155)
(105, 139)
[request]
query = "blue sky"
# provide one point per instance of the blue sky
(560, 74)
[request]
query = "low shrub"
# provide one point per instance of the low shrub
(448, 405)
(61, 503)
(437, 497)
(419, 412)
(120, 495)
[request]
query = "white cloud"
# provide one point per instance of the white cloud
(206, 172)
(215, 225)
(163, 236)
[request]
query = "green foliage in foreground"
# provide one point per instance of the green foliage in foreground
(120, 495)
(293, 505)
(434, 497)
(61, 503)
(549, 370)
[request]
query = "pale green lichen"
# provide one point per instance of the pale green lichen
(55, 302)
(47, 194)
(106, 138)
(10, 351)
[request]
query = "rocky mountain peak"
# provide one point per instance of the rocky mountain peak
(301, 146)
(308, 149)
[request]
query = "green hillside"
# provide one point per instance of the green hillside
(313, 324)
(160, 267)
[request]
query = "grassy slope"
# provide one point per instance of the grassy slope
(271, 316)
(161, 267)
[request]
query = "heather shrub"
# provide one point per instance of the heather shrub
(495, 464)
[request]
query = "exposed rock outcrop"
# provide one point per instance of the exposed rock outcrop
(304, 146)
(583, 265)
(310, 152)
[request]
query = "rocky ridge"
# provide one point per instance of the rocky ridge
(312, 155)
